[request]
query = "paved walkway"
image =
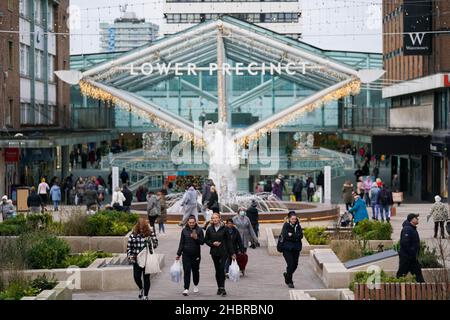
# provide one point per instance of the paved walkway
(263, 279)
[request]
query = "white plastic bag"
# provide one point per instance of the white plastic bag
(175, 271)
(234, 273)
(208, 215)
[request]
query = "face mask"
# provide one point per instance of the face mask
(242, 213)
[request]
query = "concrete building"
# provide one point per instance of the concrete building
(126, 33)
(280, 16)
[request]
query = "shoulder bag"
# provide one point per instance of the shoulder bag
(149, 261)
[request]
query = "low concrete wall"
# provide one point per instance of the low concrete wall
(322, 294)
(335, 275)
(62, 291)
(94, 278)
(78, 244)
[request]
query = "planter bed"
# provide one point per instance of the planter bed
(62, 291)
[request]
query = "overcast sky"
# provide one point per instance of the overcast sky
(353, 25)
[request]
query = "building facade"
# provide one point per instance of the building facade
(35, 116)
(126, 33)
(280, 16)
(416, 43)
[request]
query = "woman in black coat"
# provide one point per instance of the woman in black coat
(213, 200)
(218, 238)
(291, 235)
(190, 241)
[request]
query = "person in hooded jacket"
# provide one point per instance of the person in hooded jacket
(219, 240)
(291, 235)
(253, 215)
(189, 204)
(189, 248)
(410, 248)
(236, 242)
(297, 189)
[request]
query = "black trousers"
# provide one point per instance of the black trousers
(298, 196)
(191, 264)
(138, 273)
(438, 224)
(291, 258)
(151, 220)
(410, 265)
(219, 265)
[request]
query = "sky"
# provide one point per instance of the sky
(351, 25)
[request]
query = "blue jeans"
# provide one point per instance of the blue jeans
(384, 210)
(375, 211)
(162, 228)
(55, 204)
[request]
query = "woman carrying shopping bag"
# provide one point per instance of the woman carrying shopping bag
(218, 239)
(189, 248)
(141, 238)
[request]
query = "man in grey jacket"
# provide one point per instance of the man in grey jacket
(153, 208)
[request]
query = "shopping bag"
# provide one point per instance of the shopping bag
(208, 215)
(393, 211)
(149, 261)
(175, 271)
(397, 197)
(293, 199)
(234, 273)
(242, 259)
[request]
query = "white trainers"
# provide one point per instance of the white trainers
(186, 292)
(196, 289)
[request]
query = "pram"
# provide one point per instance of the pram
(346, 220)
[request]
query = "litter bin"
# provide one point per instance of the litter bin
(22, 194)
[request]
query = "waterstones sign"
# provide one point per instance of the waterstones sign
(416, 25)
(180, 69)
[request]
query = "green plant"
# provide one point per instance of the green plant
(44, 251)
(373, 230)
(84, 259)
(43, 283)
(110, 223)
(316, 236)
(363, 277)
(428, 258)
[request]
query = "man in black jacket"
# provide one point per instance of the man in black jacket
(128, 198)
(218, 238)
(190, 241)
(34, 201)
(253, 215)
(409, 249)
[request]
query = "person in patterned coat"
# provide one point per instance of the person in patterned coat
(439, 213)
(138, 240)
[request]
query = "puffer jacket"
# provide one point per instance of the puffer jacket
(221, 235)
(409, 241)
(292, 237)
(439, 212)
(188, 245)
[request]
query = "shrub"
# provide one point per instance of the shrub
(43, 283)
(347, 250)
(84, 259)
(110, 223)
(19, 287)
(44, 251)
(363, 277)
(316, 236)
(373, 230)
(76, 224)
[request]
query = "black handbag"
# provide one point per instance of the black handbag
(280, 243)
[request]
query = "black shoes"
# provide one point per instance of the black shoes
(285, 277)
(222, 292)
(291, 285)
(141, 294)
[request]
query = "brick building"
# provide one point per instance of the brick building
(416, 43)
(35, 115)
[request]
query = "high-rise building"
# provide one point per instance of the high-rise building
(126, 33)
(282, 16)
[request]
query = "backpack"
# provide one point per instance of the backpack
(384, 198)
